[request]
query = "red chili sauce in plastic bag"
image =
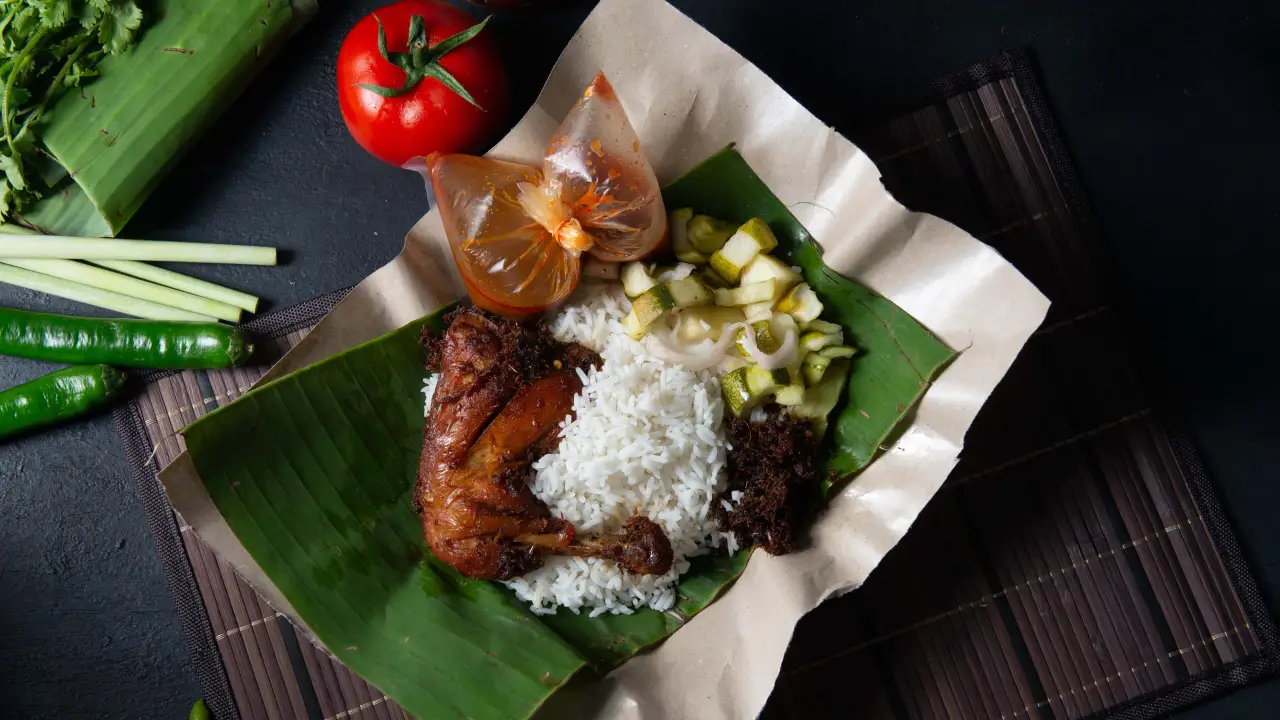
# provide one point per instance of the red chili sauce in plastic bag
(518, 233)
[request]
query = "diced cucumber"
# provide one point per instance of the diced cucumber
(801, 303)
(652, 303)
(813, 368)
(758, 311)
(813, 374)
(746, 294)
(823, 397)
(703, 323)
(765, 267)
(790, 395)
(679, 224)
(822, 326)
(736, 389)
(729, 260)
(690, 256)
(759, 232)
(814, 341)
(593, 268)
(753, 238)
(646, 309)
(712, 279)
(632, 325)
(707, 234)
(763, 382)
(766, 341)
(636, 279)
(690, 292)
(837, 351)
(817, 360)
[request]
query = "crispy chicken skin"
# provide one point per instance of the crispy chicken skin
(503, 389)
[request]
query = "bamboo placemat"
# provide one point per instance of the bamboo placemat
(1076, 563)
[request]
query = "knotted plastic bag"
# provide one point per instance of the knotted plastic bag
(518, 233)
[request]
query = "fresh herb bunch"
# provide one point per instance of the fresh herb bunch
(46, 48)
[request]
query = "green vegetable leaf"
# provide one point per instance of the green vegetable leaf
(54, 13)
(77, 75)
(18, 97)
(120, 22)
(67, 45)
(25, 141)
(12, 172)
(26, 22)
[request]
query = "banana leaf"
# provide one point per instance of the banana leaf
(118, 137)
(314, 473)
(317, 488)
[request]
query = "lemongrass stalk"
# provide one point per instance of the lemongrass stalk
(73, 248)
(95, 296)
(125, 285)
(178, 281)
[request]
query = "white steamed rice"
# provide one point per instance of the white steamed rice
(647, 438)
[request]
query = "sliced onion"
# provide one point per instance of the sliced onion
(703, 355)
(679, 272)
(783, 357)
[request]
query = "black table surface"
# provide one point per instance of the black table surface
(1169, 108)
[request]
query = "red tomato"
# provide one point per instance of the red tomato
(427, 116)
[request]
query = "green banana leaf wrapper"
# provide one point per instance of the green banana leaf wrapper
(118, 137)
(314, 473)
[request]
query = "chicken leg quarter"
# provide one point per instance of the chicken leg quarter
(502, 391)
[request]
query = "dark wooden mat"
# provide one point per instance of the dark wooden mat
(1076, 563)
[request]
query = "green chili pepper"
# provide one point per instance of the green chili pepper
(57, 396)
(132, 343)
(199, 711)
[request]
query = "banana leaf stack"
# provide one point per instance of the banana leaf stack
(115, 138)
(314, 471)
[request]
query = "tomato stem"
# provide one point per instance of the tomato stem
(423, 60)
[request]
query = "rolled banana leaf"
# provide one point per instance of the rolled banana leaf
(314, 473)
(117, 138)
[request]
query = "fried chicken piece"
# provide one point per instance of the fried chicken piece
(503, 389)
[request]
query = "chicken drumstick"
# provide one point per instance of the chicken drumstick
(503, 389)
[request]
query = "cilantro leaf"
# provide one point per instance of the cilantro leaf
(5, 193)
(120, 23)
(78, 74)
(25, 22)
(12, 172)
(53, 13)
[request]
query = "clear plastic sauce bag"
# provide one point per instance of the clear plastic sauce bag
(518, 233)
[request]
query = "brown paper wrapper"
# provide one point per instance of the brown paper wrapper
(688, 95)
